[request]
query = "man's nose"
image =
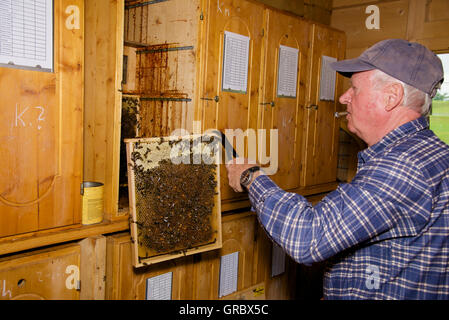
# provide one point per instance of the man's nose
(345, 98)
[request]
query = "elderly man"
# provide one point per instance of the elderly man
(385, 234)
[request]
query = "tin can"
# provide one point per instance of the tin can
(92, 202)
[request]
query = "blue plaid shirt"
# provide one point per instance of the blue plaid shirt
(385, 234)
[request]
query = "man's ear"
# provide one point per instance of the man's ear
(394, 95)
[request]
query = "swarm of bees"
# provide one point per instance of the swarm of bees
(174, 202)
(129, 129)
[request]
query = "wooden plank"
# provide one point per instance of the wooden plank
(339, 4)
(172, 23)
(286, 116)
(281, 287)
(42, 137)
(130, 85)
(93, 267)
(103, 98)
(429, 24)
(233, 110)
(123, 282)
(114, 118)
(59, 235)
(256, 292)
(320, 135)
(238, 235)
(296, 7)
(18, 177)
(46, 274)
(206, 275)
(65, 209)
(393, 23)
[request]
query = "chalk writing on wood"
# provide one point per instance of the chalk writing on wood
(21, 119)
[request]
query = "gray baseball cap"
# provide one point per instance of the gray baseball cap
(409, 62)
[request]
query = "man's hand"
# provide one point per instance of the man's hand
(235, 168)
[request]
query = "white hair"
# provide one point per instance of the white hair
(414, 98)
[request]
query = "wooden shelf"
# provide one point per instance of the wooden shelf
(40, 239)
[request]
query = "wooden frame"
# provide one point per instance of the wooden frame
(47, 274)
(215, 215)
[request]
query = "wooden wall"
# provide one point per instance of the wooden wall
(197, 277)
(314, 10)
(104, 22)
(426, 22)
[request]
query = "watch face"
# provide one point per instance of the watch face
(245, 178)
(247, 175)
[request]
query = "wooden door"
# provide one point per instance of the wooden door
(280, 111)
(123, 282)
(319, 165)
(50, 274)
(238, 236)
(41, 149)
(225, 109)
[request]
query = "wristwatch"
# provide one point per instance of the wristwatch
(247, 176)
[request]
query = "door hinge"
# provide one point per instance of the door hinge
(216, 98)
(201, 16)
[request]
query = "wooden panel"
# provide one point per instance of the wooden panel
(41, 137)
(123, 282)
(104, 58)
(58, 235)
(321, 127)
(256, 292)
(337, 4)
(197, 277)
(238, 236)
(45, 274)
(170, 24)
(233, 110)
(174, 21)
(296, 7)
(318, 10)
(286, 115)
(130, 84)
(393, 22)
(278, 287)
(93, 268)
(429, 24)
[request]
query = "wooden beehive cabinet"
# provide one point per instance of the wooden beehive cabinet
(175, 54)
(46, 274)
(197, 277)
(41, 129)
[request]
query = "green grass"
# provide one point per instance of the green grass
(440, 108)
(439, 120)
(440, 125)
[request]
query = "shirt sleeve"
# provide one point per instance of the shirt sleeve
(387, 198)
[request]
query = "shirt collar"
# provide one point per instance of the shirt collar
(392, 137)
